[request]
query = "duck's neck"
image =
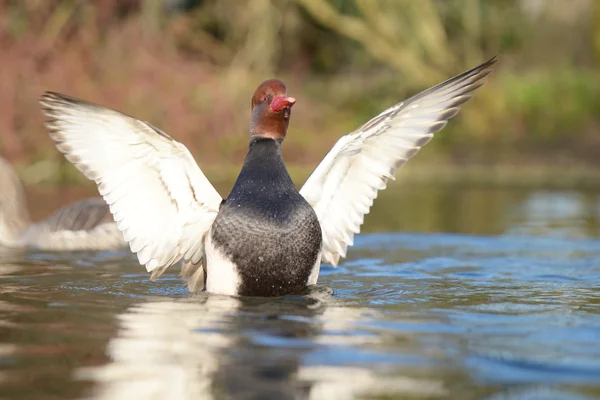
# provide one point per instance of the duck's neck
(14, 218)
(263, 168)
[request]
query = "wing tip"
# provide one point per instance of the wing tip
(484, 68)
(491, 61)
(481, 71)
(56, 106)
(55, 97)
(52, 100)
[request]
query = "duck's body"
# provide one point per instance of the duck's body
(83, 225)
(266, 235)
(266, 238)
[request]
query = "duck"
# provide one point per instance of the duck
(267, 238)
(83, 225)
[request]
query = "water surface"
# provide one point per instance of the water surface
(465, 293)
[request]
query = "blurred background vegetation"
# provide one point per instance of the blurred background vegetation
(191, 66)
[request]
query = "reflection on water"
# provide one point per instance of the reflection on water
(181, 349)
(496, 298)
(558, 214)
(486, 211)
(164, 349)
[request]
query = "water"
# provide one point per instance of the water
(464, 293)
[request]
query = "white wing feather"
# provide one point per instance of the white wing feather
(160, 199)
(343, 186)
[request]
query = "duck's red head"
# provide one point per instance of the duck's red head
(271, 110)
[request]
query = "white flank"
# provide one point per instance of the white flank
(314, 273)
(221, 275)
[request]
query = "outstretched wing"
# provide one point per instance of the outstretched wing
(160, 199)
(343, 186)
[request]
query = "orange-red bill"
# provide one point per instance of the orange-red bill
(281, 102)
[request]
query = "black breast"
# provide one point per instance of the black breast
(266, 227)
